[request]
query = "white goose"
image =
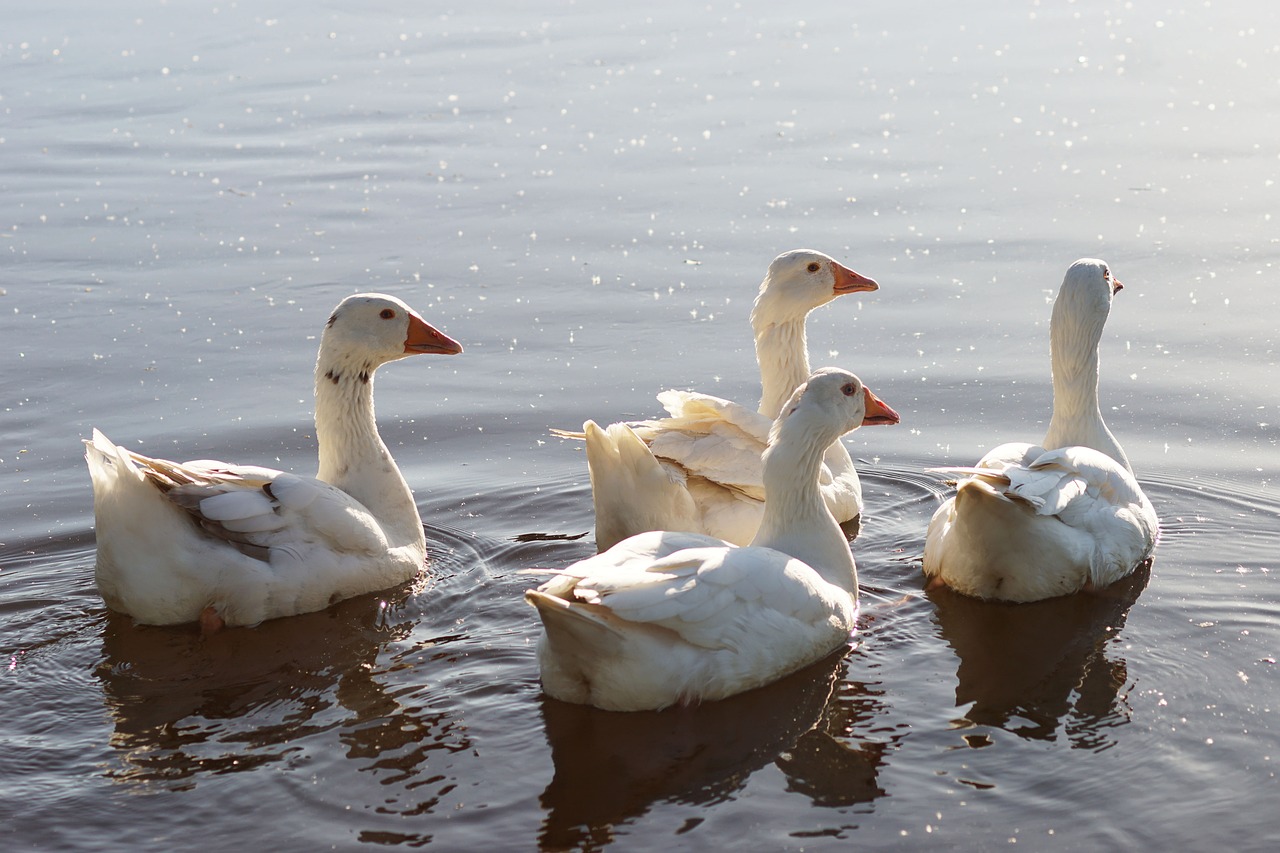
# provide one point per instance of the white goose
(233, 544)
(666, 617)
(699, 469)
(1033, 522)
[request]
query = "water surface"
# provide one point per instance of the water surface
(587, 198)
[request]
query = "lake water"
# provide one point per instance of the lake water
(587, 195)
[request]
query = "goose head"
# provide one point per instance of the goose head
(1084, 302)
(829, 404)
(801, 280)
(370, 329)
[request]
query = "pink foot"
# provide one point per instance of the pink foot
(210, 621)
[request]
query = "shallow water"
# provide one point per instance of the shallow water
(587, 198)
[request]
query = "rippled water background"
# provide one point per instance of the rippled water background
(587, 198)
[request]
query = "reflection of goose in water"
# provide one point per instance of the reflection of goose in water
(612, 767)
(186, 706)
(1032, 668)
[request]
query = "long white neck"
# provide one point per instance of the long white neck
(783, 355)
(352, 454)
(1077, 417)
(796, 519)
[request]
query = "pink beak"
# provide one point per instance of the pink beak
(848, 281)
(425, 338)
(877, 411)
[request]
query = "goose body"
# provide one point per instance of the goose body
(1035, 521)
(227, 544)
(668, 617)
(699, 469)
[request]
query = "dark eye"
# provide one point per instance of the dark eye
(387, 314)
(849, 389)
(814, 267)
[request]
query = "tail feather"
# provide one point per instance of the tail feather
(997, 544)
(571, 625)
(108, 462)
(957, 472)
(633, 491)
(982, 496)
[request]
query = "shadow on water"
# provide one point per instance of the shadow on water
(185, 705)
(1032, 668)
(612, 767)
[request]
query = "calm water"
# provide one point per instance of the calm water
(587, 199)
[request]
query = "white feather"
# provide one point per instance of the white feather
(1030, 521)
(701, 471)
(239, 544)
(668, 616)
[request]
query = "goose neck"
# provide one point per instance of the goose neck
(353, 456)
(1075, 385)
(796, 519)
(1077, 415)
(783, 355)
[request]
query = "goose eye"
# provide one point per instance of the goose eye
(849, 389)
(814, 266)
(387, 314)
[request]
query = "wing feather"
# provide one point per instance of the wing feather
(706, 593)
(257, 509)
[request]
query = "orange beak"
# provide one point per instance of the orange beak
(848, 281)
(1117, 286)
(877, 411)
(425, 338)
